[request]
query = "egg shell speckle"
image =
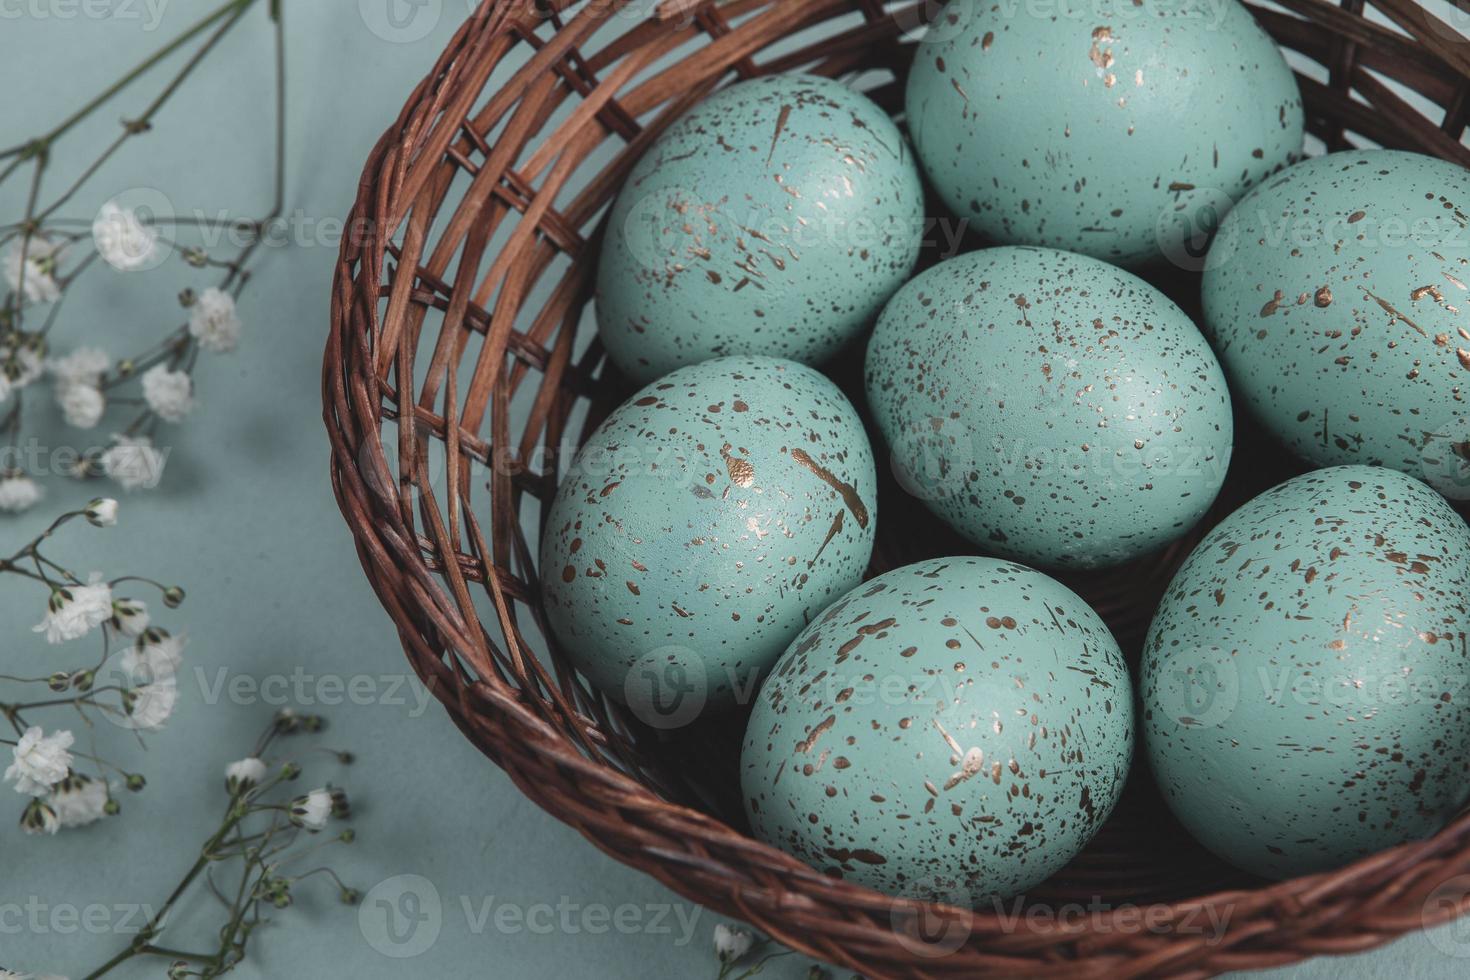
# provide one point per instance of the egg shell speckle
(1304, 683)
(703, 524)
(1337, 297)
(775, 218)
(1105, 129)
(1051, 407)
(954, 729)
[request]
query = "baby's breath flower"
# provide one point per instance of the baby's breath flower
(18, 493)
(38, 258)
(341, 806)
(243, 775)
(39, 818)
(20, 365)
(214, 322)
(83, 366)
(102, 512)
(731, 944)
(123, 241)
(76, 610)
(149, 706)
(129, 616)
(81, 405)
(312, 810)
(41, 760)
(133, 462)
(169, 393)
(79, 800)
(154, 656)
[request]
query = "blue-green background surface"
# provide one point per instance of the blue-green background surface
(246, 521)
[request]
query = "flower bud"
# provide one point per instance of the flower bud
(39, 818)
(102, 512)
(173, 597)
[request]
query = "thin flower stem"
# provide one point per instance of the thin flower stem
(132, 76)
(135, 126)
(88, 698)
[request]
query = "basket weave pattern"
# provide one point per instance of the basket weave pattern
(461, 304)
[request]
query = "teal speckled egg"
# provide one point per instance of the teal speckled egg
(703, 524)
(1337, 297)
(774, 218)
(1304, 684)
(1102, 130)
(1051, 407)
(957, 729)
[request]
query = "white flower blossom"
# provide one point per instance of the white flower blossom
(79, 800)
(102, 512)
(244, 774)
(149, 706)
(169, 393)
(41, 256)
(155, 656)
(133, 462)
(19, 366)
(81, 405)
(41, 760)
(76, 610)
(214, 322)
(130, 616)
(83, 366)
(19, 492)
(731, 944)
(122, 240)
(312, 810)
(39, 818)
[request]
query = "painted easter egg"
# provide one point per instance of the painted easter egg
(1304, 683)
(774, 218)
(1336, 295)
(1051, 407)
(1112, 132)
(956, 729)
(701, 526)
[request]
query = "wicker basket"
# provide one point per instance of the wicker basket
(462, 304)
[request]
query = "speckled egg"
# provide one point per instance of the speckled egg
(1304, 684)
(774, 218)
(956, 729)
(1103, 130)
(1051, 407)
(703, 524)
(1336, 295)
